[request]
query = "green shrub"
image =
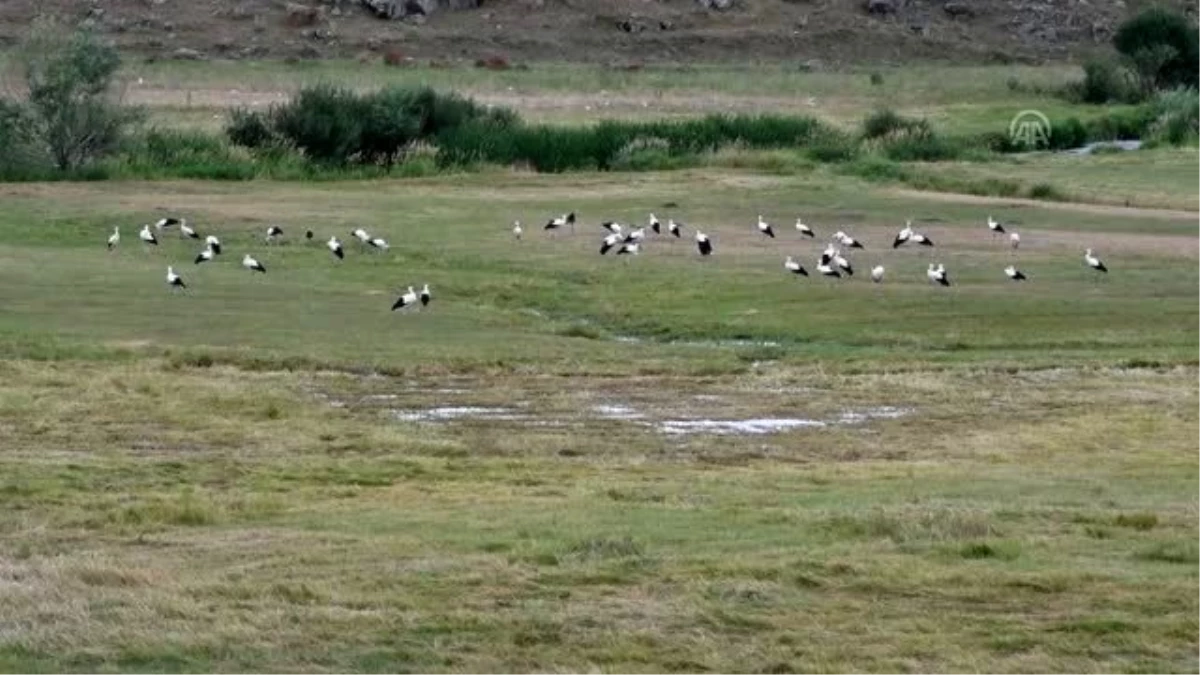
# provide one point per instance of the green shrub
(69, 76)
(323, 121)
(1162, 46)
(250, 129)
(1046, 192)
(1105, 80)
(884, 122)
(21, 156)
(1175, 118)
(1066, 134)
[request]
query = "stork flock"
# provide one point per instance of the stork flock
(274, 235)
(625, 240)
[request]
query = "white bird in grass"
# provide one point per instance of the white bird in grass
(379, 243)
(253, 265)
(114, 238)
(1014, 240)
(794, 267)
(335, 247)
(1013, 273)
(174, 280)
(611, 226)
(937, 274)
(609, 242)
(361, 235)
(561, 221)
(274, 232)
(167, 222)
(1094, 262)
(426, 296)
(185, 231)
(213, 243)
(831, 254)
(407, 299)
(846, 240)
(673, 227)
(147, 236)
(877, 273)
(703, 244)
(908, 234)
(517, 231)
(204, 256)
(635, 235)
(655, 226)
(994, 226)
(804, 229)
(827, 270)
(765, 228)
(629, 248)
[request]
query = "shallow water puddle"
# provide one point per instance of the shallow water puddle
(457, 412)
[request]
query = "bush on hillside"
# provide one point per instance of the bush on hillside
(1104, 81)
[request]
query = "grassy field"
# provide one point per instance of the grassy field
(277, 473)
(956, 99)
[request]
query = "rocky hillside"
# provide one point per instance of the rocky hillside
(820, 33)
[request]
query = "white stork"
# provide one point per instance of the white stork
(185, 231)
(167, 222)
(703, 244)
(1094, 262)
(114, 238)
(877, 273)
(765, 228)
(253, 265)
(335, 247)
(635, 235)
(147, 236)
(559, 222)
(1013, 273)
(426, 296)
(274, 232)
(612, 226)
(846, 240)
(994, 226)
(174, 280)
(213, 243)
(1014, 240)
(673, 227)
(804, 229)
(361, 235)
(204, 256)
(655, 226)
(609, 242)
(937, 274)
(378, 243)
(629, 248)
(794, 267)
(828, 270)
(407, 299)
(516, 230)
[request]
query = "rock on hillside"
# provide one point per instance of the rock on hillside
(815, 32)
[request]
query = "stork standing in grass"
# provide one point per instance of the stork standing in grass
(213, 243)
(703, 244)
(147, 236)
(174, 281)
(406, 299)
(516, 230)
(204, 256)
(846, 240)
(612, 226)
(937, 274)
(361, 235)
(185, 231)
(274, 232)
(335, 247)
(378, 243)
(655, 226)
(1093, 262)
(794, 267)
(114, 238)
(994, 227)
(609, 242)
(250, 263)
(804, 229)
(559, 222)
(674, 227)
(167, 222)
(426, 296)
(1014, 274)
(764, 228)
(1014, 240)
(877, 273)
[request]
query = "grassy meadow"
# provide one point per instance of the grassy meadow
(556, 466)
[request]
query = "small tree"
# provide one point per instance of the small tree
(69, 79)
(1161, 48)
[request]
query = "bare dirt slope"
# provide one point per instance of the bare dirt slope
(817, 33)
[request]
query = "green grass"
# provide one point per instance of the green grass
(226, 480)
